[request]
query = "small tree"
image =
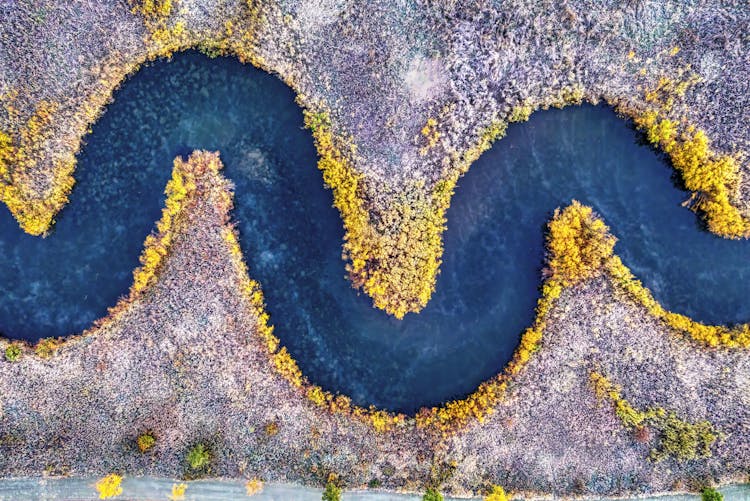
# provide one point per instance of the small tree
(146, 441)
(497, 494)
(432, 495)
(711, 494)
(12, 353)
(332, 493)
(199, 457)
(109, 486)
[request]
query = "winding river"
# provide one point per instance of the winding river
(291, 236)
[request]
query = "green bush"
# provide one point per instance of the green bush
(146, 441)
(432, 495)
(684, 441)
(12, 353)
(711, 494)
(332, 493)
(199, 457)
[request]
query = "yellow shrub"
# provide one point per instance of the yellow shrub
(288, 367)
(153, 8)
(6, 154)
(578, 244)
(497, 494)
(316, 395)
(178, 492)
(382, 420)
(146, 441)
(109, 486)
(47, 347)
(430, 134)
(253, 486)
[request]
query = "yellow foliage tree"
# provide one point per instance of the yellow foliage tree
(253, 486)
(578, 244)
(497, 494)
(109, 486)
(178, 492)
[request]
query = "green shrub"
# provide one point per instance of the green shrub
(12, 353)
(684, 441)
(146, 441)
(432, 495)
(199, 457)
(711, 494)
(332, 493)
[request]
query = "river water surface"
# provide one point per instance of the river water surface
(291, 236)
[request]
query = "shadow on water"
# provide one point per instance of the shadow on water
(291, 236)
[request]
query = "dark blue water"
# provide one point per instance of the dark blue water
(291, 236)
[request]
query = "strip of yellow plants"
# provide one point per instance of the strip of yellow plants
(282, 361)
(19, 157)
(710, 335)
(577, 247)
(678, 439)
(715, 178)
(180, 188)
(580, 243)
(395, 260)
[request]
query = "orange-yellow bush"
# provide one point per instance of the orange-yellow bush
(578, 244)
(46, 348)
(109, 486)
(146, 441)
(497, 494)
(430, 134)
(152, 8)
(253, 486)
(178, 492)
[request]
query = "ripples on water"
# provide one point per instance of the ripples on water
(291, 235)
